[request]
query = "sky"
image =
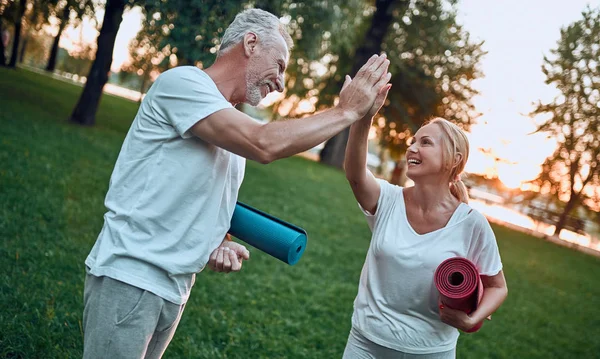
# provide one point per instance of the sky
(516, 35)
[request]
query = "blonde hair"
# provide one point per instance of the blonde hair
(262, 23)
(455, 143)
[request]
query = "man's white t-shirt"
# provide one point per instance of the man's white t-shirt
(171, 195)
(397, 302)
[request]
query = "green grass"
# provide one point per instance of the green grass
(53, 177)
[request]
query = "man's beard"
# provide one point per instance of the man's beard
(253, 88)
(253, 95)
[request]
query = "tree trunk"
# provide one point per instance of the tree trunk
(85, 110)
(2, 56)
(334, 150)
(54, 52)
(562, 220)
(23, 48)
(143, 86)
(17, 37)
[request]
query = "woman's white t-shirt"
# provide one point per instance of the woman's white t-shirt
(397, 301)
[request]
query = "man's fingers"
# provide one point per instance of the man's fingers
(381, 61)
(364, 68)
(219, 261)
(346, 82)
(236, 264)
(213, 259)
(226, 260)
(244, 253)
(372, 70)
(379, 73)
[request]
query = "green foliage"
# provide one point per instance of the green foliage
(573, 118)
(188, 29)
(76, 64)
(53, 179)
(434, 63)
(433, 58)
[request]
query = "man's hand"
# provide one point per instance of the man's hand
(358, 95)
(379, 100)
(228, 257)
(456, 318)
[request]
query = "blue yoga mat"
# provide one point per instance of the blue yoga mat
(271, 235)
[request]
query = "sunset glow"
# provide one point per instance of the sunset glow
(502, 143)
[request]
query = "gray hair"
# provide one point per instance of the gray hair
(262, 23)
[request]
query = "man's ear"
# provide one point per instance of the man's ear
(250, 43)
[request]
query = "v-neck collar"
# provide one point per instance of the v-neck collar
(450, 222)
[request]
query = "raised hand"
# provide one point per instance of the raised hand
(359, 94)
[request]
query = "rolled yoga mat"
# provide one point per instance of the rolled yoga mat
(271, 235)
(460, 286)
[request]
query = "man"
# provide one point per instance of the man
(175, 184)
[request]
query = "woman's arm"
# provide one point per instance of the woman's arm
(494, 294)
(363, 183)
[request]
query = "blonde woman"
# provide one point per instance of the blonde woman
(397, 312)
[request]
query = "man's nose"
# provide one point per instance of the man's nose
(279, 84)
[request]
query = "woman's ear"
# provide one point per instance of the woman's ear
(250, 43)
(457, 159)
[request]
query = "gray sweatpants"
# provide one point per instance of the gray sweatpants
(359, 347)
(123, 321)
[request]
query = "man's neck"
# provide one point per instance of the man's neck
(229, 74)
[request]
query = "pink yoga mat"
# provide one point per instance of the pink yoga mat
(460, 286)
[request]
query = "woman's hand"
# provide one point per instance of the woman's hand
(456, 318)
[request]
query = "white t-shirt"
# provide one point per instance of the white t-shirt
(397, 302)
(171, 195)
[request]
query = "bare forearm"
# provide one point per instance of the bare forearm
(282, 139)
(493, 297)
(355, 162)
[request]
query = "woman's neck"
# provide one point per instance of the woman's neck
(430, 197)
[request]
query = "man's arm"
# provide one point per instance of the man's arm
(238, 133)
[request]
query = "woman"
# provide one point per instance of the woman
(397, 313)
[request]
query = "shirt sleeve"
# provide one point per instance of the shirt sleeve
(185, 95)
(485, 249)
(388, 194)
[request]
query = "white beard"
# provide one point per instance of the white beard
(253, 95)
(253, 85)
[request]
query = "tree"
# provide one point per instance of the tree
(172, 30)
(64, 19)
(17, 37)
(8, 15)
(573, 117)
(36, 15)
(2, 50)
(433, 63)
(85, 110)
(333, 152)
(81, 9)
(146, 56)
(189, 30)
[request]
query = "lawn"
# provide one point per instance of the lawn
(53, 178)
